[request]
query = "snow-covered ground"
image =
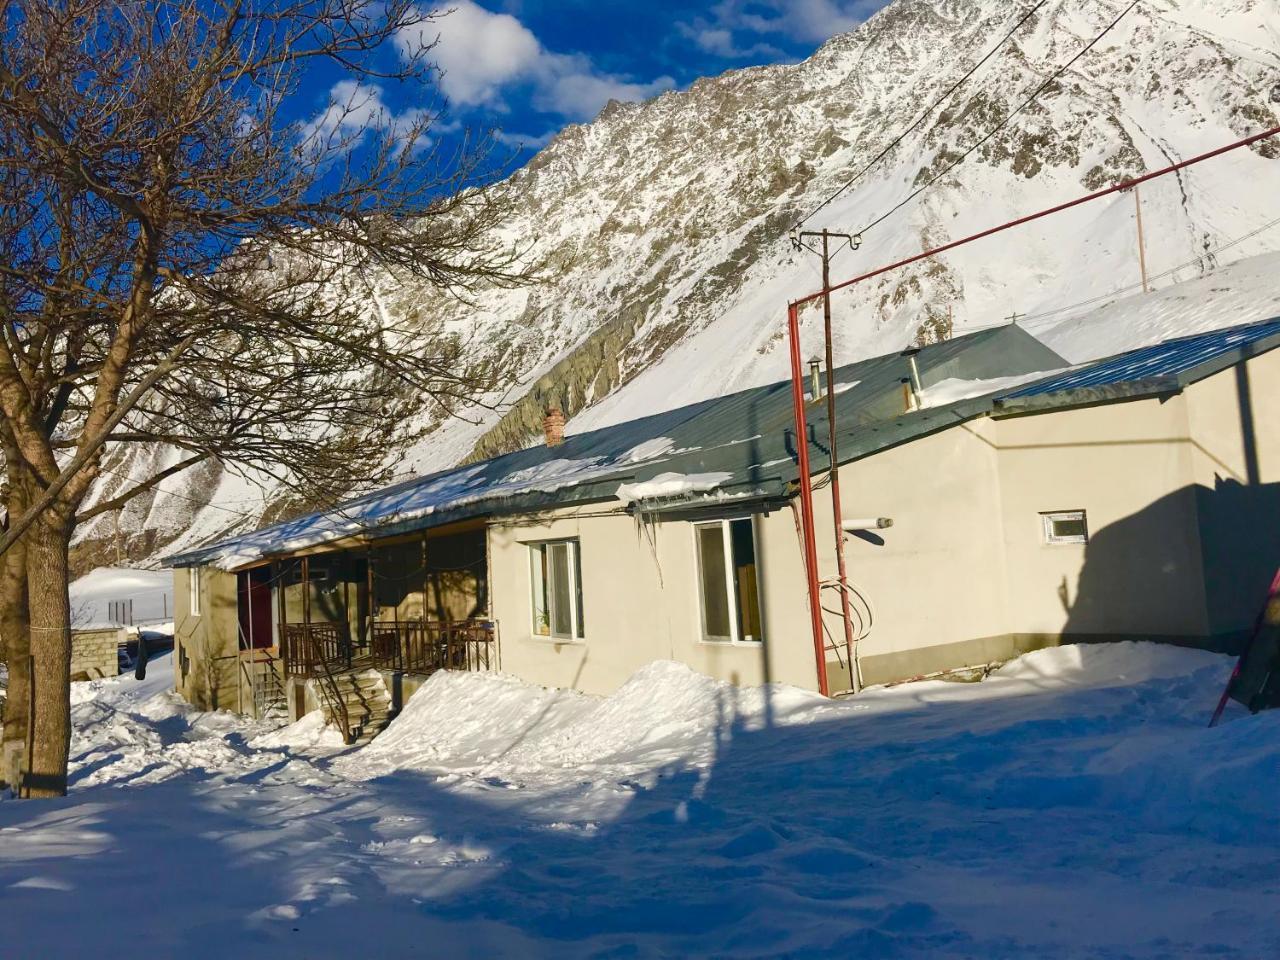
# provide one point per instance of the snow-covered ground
(146, 595)
(1071, 805)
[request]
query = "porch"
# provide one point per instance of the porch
(310, 650)
(402, 607)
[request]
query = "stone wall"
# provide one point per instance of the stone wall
(94, 653)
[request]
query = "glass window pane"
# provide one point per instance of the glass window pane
(577, 578)
(541, 615)
(1073, 528)
(744, 577)
(715, 602)
(561, 584)
(1066, 526)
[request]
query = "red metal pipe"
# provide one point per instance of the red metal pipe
(1126, 185)
(810, 542)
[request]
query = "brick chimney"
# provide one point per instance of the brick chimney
(553, 426)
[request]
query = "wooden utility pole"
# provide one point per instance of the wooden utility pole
(1142, 242)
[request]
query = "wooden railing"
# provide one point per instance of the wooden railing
(313, 649)
(425, 646)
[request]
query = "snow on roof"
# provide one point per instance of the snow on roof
(736, 446)
(1241, 293)
(683, 456)
(1171, 362)
(666, 485)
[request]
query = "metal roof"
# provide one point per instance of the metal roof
(1169, 365)
(732, 448)
(742, 447)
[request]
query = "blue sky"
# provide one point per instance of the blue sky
(529, 67)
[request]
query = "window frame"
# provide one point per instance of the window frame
(730, 582)
(1049, 517)
(537, 550)
(193, 590)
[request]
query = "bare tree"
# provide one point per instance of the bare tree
(181, 263)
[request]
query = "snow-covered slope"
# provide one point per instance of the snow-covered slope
(663, 227)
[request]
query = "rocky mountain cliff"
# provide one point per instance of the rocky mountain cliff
(664, 226)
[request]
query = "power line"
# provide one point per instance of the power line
(921, 118)
(1054, 77)
(1039, 215)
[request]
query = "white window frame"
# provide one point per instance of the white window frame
(1048, 519)
(193, 590)
(535, 575)
(731, 584)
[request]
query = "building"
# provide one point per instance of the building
(1131, 498)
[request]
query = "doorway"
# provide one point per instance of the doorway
(253, 600)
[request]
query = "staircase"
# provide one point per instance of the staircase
(261, 676)
(268, 695)
(367, 702)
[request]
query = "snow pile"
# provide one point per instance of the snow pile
(1106, 664)
(496, 724)
(667, 485)
(954, 389)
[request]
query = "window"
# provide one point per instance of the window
(193, 589)
(1065, 526)
(727, 581)
(557, 589)
(317, 572)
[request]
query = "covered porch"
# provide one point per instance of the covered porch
(411, 604)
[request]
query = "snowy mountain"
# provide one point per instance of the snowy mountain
(665, 225)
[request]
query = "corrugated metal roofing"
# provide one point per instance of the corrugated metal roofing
(742, 446)
(1166, 365)
(736, 447)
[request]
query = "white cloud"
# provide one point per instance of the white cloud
(481, 54)
(568, 85)
(354, 110)
(719, 41)
(803, 21)
(524, 141)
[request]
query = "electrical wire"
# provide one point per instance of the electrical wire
(1030, 319)
(1038, 215)
(1053, 78)
(921, 118)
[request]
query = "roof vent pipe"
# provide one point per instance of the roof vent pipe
(917, 389)
(553, 426)
(815, 379)
(909, 401)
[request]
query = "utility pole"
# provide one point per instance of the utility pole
(1142, 242)
(846, 610)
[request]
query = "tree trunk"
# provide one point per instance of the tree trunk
(47, 549)
(17, 641)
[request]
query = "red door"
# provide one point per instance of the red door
(253, 592)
